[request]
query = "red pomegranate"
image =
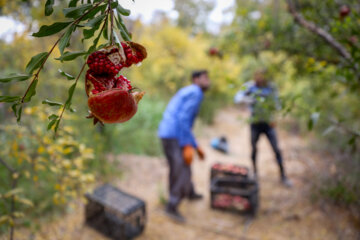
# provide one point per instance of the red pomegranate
(111, 98)
(344, 11)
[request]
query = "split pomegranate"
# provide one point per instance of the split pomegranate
(112, 99)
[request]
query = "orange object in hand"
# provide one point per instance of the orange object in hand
(188, 154)
(201, 153)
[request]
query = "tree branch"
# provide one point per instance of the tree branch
(318, 31)
(12, 170)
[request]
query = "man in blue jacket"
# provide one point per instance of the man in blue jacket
(179, 143)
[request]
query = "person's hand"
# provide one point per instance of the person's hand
(188, 154)
(200, 153)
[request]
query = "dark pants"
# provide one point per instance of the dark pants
(264, 128)
(180, 184)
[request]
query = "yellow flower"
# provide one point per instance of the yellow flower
(41, 150)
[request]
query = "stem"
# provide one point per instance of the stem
(76, 81)
(111, 24)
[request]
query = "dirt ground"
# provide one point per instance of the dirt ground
(283, 214)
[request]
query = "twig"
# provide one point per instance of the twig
(76, 81)
(12, 170)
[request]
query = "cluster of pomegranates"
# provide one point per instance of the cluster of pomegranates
(111, 98)
(231, 202)
(230, 169)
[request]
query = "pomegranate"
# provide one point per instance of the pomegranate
(112, 99)
(344, 11)
(213, 51)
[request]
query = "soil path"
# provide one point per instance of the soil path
(283, 214)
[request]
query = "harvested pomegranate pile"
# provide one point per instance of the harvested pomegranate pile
(111, 96)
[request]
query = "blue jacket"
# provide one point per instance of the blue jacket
(180, 114)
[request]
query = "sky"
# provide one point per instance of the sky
(141, 8)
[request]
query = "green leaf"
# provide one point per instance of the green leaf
(56, 125)
(64, 41)
(124, 35)
(75, 12)
(68, 56)
(35, 62)
(49, 7)
(73, 3)
(14, 108)
(48, 30)
(88, 33)
(51, 123)
(9, 98)
(51, 103)
(106, 32)
(15, 77)
(71, 93)
(93, 47)
(18, 118)
(123, 31)
(313, 120)
(95, 11)
(68, 76)
(123, 11)
(31, 92)
(114, 4)
(95, 21)
(53, 116)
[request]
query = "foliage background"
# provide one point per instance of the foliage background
(319, 90)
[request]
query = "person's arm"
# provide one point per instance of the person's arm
(244, 95)
(186, 119)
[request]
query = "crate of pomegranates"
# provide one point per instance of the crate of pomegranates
(115, 213)
(234, 194)
(223, 170)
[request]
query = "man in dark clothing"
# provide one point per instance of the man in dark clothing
(263, 100)
(179, 144)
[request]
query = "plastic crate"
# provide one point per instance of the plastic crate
(115, 213)
(235, 195)
(223, 170)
